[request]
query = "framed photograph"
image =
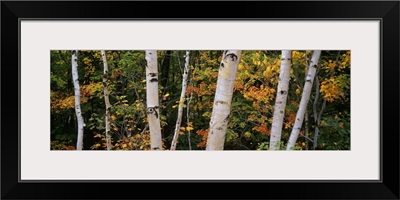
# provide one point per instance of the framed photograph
(117, 100)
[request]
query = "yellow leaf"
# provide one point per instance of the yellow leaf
(181, 133)
(123, 145)
(112, 117)
(182, 128)
(174, 106)
(166, 95)
(143, 81)
(189, 128)
(297, 91)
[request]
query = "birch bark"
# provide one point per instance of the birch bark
(304, 100)
(223, 99)
(106, 100)
(75, 79)
(280, 102)
(153, 112)
(181, 101)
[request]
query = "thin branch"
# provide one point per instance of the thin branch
(306, 137)
(188, 113)
(316, 98)
(321, 111)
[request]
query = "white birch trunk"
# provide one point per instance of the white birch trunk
(153, 113)
(106, 100)
(280, 102)
(79, 143)
(304, 100)
(223, 99)
(181, 101)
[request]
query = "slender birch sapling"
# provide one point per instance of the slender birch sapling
(304, 100)
(181, 102)
(78, 112)
(106, 100)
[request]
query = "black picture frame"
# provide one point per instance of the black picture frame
(386, 11)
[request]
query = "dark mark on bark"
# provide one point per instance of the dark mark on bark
(154, 80)
(227, 117)
(221, 102)
(153, 110)
(232, 55)
(153, 74)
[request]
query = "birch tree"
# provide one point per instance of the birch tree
(181, 101)
(223, 99)
(280, 102)
(153, 112)
(304, 100)
(106, 100)
(75, 79)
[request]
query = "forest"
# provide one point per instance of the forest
(200, 100)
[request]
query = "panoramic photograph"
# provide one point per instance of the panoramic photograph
(200, 100)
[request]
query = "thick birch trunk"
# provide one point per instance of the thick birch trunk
(181, 101)
(280, 102)
(153, 113)
(222, 100)
(106, 100)
(304, 100)
(79, 143)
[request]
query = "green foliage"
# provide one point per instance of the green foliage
(335, 132)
